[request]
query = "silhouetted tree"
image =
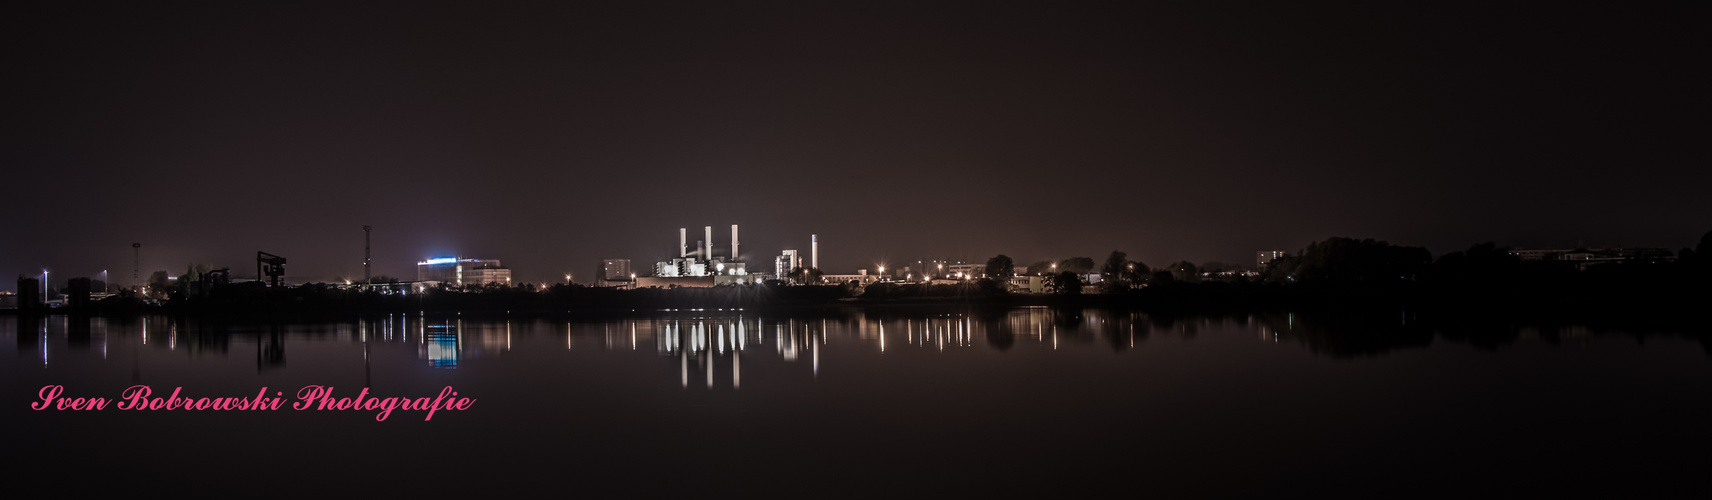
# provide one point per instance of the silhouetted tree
(1161, 278)
(1067, 283)
(1184, 271)
(1136, 273)
(1078, 265)
(1347, 261)
(1119, 273)
(1114, 266)
(1000, 267)
(806, 275)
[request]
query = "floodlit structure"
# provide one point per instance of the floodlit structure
(784, 263)
(703, 267)
(461, 272)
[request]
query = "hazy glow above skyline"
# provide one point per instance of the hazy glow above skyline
(554, 138)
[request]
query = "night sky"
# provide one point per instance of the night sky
(551, 136)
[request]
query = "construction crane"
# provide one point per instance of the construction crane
(273, 265)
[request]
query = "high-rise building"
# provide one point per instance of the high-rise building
(784, 263)
(1264, 257)
(615, 269)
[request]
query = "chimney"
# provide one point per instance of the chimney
(709, 231)
(683, 244)
(814, 251)
(734, 243)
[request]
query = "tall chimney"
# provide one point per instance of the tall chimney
(814, 251)
(709, 231)
(734, 243)
(366, 279)
(683, 243)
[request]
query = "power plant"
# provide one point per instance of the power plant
(704, 263)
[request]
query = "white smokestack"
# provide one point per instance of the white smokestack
(709, 256)
(734, 243)
(683, 242)
(814, 251)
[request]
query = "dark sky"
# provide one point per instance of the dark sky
(554, 136)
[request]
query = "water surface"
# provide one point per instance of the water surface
(1028, 401)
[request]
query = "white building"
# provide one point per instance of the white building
(461, 272)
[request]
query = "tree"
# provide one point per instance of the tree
(1348, 261)
(1066, 283)
(1184, 271)
(1078, 265)
(1136, 273)
(1000, 268)
(1119, 273)
(804, 275)
(1114, 268)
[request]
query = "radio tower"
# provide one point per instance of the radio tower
(366, 230)
(136, 262)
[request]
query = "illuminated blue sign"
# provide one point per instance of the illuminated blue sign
(440, 260)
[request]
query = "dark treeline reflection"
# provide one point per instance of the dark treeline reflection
(702, 342)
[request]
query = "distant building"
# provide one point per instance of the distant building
(1265, 257)
(462, 272)
(1022, 283)
(702, 262)
(1582, 258)
(861, 277)
(699, 281)
(785, 262)
(615, 270)
(29, 293)
(968, 270)
(614, 273)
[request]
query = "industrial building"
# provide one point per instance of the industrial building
(615, 273)
(701, 267)
(784, 263)
(455, 271)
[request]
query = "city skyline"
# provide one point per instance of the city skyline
(555, 140)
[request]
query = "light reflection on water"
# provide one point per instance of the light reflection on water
(1111, 399)
(702, 343)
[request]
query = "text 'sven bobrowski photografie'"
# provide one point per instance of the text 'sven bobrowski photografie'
(869, 250)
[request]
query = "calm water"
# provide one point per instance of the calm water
(1031, 401)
